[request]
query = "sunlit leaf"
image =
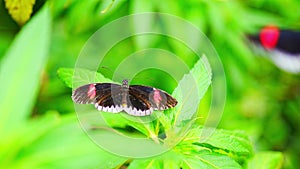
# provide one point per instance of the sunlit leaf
(193, 86)
(205, 159)
(82, 76)
(148, 163)
(167, 160)
(194, 160)
(66, 75)
(267, 160)
(235, 141)
(74, 150)
(21, 70)
(13, 144)
(232, 141)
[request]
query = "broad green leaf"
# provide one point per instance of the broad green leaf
(82, 76)
(266, 160)
(65, 146)
(66, 75)
(234, 141)
(171, 163)
(188, 93)
(167, 160)
(194, 85)
(20, 11)
(21, 70)
(145, 163)
(12, 143)
(209, 160)
(56, 141)
(121, 121)
(193, 160)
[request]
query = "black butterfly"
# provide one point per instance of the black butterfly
(136, 100)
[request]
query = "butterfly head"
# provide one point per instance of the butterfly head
(125, 83)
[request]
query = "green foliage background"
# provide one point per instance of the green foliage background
(36, 110)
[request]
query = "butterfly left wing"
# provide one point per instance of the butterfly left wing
(106, 96)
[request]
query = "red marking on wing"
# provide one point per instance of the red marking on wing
(157, 97)
(269, 37)
(91, 91)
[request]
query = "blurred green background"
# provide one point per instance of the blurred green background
(262, 100)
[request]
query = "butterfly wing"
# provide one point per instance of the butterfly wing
(137, 100)
(151, 98)
(136, 104)
(106, 96)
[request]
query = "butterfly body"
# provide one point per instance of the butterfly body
(136, 100)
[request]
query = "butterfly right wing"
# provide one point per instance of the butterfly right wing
(152, 97)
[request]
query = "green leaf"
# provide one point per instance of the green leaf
(12, 144)
(142, 124)
(21, 69)
(66, 75)
(233, 141)
(209, 160)
(147, 164)
(266, 160)
(188, 93)
(64, 146)
(82, 76)
(193, 160)
(167, 160)
(171, 163)
(195, 85)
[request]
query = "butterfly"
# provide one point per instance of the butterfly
(135, 100)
